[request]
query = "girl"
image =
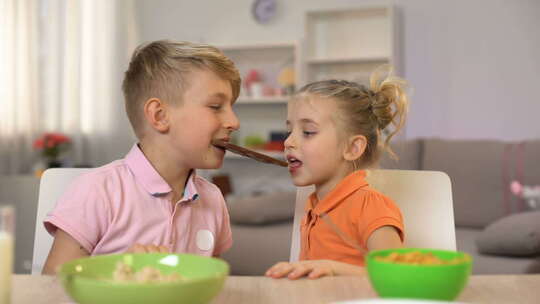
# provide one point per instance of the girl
(336, 132)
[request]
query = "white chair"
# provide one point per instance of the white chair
(53, 184)
(425, 200)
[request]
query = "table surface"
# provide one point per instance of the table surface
(239, 289)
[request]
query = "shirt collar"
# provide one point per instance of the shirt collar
(347, 186)
(150, 179)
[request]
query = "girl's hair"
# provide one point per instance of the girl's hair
(374, 112)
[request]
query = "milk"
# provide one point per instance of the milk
(6, 266)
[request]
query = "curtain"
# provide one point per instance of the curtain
(19, 84)
(67, 76)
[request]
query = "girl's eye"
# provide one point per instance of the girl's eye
(307, 133)
(215, 107)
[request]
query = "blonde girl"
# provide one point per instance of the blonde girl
(338, 129)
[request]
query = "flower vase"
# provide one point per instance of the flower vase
(54, 163)
(39, 167)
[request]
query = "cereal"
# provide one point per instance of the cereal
(125, 274)
(418, 258)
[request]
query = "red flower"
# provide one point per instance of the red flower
(52, 144)
(38, 143)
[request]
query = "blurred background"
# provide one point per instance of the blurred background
(473, 65)
(473, 68)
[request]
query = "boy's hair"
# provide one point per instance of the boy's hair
(161, 69)
(365, 111)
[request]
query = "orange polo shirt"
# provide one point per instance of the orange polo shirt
(357, 210)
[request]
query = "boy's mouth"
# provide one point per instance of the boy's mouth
(222, 148)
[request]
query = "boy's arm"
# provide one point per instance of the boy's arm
(65, 248)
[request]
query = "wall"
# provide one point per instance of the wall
(473, 64)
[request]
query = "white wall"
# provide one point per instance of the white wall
(474, 65)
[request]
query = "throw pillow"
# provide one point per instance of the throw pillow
(515, 235)
(262, 209)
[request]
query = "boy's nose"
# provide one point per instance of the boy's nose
(232, 122)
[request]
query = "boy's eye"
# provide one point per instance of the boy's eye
(308, 133)
(215, 107)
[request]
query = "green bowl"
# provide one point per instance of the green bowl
(89, 280)
(434, 282)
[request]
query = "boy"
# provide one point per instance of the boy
(178, 98)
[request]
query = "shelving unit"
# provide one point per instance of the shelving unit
(263, 114)
(348, 44)
(345, 44)
(268, 59)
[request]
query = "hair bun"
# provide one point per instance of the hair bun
(381, 108)
(390, 102)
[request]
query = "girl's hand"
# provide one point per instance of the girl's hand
(139, 248)
(312, 269)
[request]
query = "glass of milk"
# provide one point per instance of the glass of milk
(7, 226)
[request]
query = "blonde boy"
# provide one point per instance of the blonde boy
(178, 97)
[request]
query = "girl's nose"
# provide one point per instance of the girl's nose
(289, 142)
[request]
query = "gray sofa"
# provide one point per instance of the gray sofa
(480, 170)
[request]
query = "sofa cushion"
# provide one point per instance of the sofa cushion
(262, 209)
(409, 153)
(514, 235)
(481, 171)
(493, 264)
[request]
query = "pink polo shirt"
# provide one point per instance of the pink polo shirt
(110, 208)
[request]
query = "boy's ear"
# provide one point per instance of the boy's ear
(155, 113)
(355, 148)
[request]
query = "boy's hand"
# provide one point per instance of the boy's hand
(139, 248)
(312, 269)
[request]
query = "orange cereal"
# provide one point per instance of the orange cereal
(418, 258)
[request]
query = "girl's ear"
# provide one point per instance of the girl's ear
(156, 114)
(355, 148)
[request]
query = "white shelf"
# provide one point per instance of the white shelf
(348, 43)
(266, 114)
(257, 47)
(263, 100)
(274, 154)
(345, 60)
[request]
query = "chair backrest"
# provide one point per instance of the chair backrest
(425, 200)
(53, 184)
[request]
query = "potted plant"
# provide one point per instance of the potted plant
(51, 146)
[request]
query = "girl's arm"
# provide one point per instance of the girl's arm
(65, 248)
(385, 237)
(313, 269)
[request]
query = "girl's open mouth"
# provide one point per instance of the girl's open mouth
(294, 163)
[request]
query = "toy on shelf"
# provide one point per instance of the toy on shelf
(253, 83)
(286, 80)
(254, 141)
